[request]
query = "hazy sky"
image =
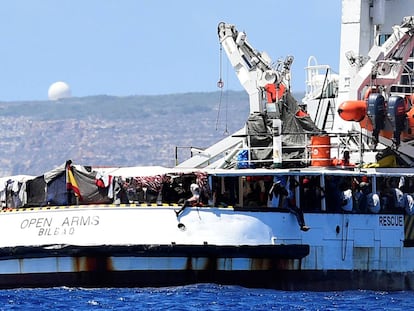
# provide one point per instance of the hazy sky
(140, 47)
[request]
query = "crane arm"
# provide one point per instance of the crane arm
(253, 69)
(387, 62)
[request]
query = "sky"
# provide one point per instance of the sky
(152, 47)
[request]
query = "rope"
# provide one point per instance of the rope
(220, 85)
(344, 242)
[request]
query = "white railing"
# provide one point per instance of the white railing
(310, 153)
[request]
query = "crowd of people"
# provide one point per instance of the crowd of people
(340, 193)
(344, 193)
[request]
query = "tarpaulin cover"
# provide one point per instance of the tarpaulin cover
(89, 191)
(292, 124)
(260, 138)
(36, 191)
(295, 123)
(56, 190)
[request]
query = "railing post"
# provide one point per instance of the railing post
(322, 185)
(277, 142)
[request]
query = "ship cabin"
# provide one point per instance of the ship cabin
(311, 189)
(325, 190)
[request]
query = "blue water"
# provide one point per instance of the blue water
(200, 297)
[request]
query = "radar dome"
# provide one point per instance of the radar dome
(59, 90)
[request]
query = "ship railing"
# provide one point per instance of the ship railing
(320, 80)
(309, 153)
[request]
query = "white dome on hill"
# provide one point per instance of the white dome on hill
(59, 90)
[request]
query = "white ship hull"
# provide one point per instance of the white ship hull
(149, 246)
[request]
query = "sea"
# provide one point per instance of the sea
(200, 297)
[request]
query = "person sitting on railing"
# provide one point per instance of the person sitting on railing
(280, 196)
(292, 207)
(277, 194)
(193, 201)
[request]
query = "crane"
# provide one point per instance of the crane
(253, 69)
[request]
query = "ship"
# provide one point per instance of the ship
(310, 195)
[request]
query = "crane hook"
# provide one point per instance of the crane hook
(220, 82)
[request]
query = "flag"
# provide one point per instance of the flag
(71, 183)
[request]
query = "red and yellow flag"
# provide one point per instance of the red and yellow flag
(71, 183)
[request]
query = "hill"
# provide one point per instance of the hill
(37, 136)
